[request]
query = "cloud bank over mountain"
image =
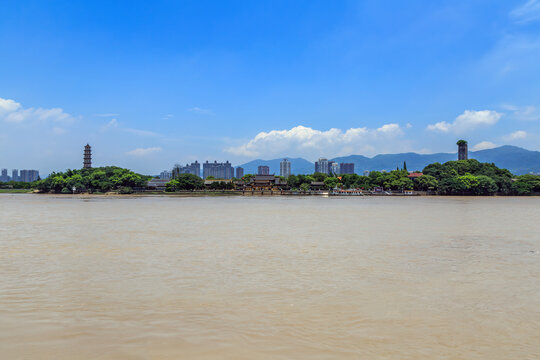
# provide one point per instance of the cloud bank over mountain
(468, 121)
(312, 143)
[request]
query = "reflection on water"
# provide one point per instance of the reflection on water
(266, 278)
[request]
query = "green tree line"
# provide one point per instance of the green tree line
(18, 184)
(102, 179)
(190, 182)
(393, 180)
(463, 177)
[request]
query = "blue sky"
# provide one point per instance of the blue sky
(149, 84)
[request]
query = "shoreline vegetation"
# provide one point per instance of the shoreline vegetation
(16, 191)
(235, 193)
(462, 177)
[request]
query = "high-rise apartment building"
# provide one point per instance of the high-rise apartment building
(29, 175)
(285, 168)
(346, 168)
(193, 168)
(25, 175)
(239, 172)
(263, 170)
(333, 168)
(165, 175)
(4, 177)
(218, 170)
(321, 166)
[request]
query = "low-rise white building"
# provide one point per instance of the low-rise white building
(157, 184)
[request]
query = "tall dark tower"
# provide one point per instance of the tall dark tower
(463, 152)
(87, 164)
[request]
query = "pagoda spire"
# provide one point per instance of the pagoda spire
(87, 162)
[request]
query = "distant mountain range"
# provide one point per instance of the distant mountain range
(517, 160)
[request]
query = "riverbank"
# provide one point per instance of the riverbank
(16, 191)
(259, 193)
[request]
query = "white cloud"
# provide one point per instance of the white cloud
(484, 145)
(525, 113)
(516, 135)
(113, 123)
(514, 53)
(8, 106)
(441, 126)
(311, 143)
(529, 11)
(144, 151)
(199, 110)
(468, 121)
(13, 112)
(18, 116)
(389, 129)
(424, 151)
(55, 114)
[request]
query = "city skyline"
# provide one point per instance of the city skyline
(251, 82)
(23, 175)
(328, 167)
(339, 165)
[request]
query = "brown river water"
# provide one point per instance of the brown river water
(269, 277)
